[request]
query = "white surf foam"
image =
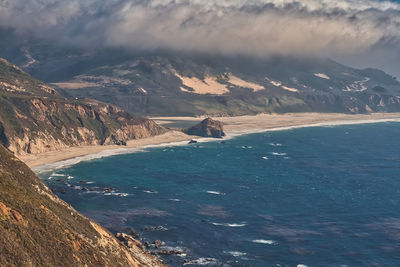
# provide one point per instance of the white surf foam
(180, 249)
(275, 144)
(236, 253)
(94, 192)
(229, 224)
(113, 152)
(278, 154)
(57, 175)
(118, 194)
(150, 191)
(215, 193)
(201, 261)
(102, 154)
(322, 75)
(263, 241)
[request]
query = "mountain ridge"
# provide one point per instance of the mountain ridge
(166, 83)
(176, 85)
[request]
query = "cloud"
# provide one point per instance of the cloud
(261, 28)
(251, 27)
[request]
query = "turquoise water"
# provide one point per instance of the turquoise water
(320, 196)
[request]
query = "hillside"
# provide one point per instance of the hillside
(39, 229)
(190, 85)
(168, 83)
(35, 118)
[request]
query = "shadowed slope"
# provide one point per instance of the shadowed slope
(39, 229)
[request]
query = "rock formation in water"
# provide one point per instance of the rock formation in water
(39, 229)
(207, 128)
(34, 118)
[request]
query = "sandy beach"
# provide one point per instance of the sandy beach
(232, 126)
(36, 160)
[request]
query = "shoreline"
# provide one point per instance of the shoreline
(233, 126)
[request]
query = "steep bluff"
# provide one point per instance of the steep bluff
(34, 118)
(39, 229)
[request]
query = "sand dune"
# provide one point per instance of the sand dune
(210, 85)
(245, 84)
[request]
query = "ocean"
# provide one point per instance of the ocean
(316, 196)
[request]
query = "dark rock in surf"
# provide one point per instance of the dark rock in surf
(169, 252)
(61, 191)
(133, 233)
(107, 190)
(158, 244)
(128, 240)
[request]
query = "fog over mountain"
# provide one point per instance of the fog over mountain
(357, 32)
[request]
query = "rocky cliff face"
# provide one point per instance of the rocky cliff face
(39, 229)
(207, 128)
(34, 118)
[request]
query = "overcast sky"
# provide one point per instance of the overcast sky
(356, 32)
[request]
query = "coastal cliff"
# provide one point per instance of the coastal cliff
(34, 118)
(39, 229)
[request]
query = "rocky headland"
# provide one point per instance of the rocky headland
(34, 118)
(207, 128)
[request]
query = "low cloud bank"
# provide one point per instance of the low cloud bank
(353, 29)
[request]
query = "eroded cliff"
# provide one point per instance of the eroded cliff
(34, 118)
